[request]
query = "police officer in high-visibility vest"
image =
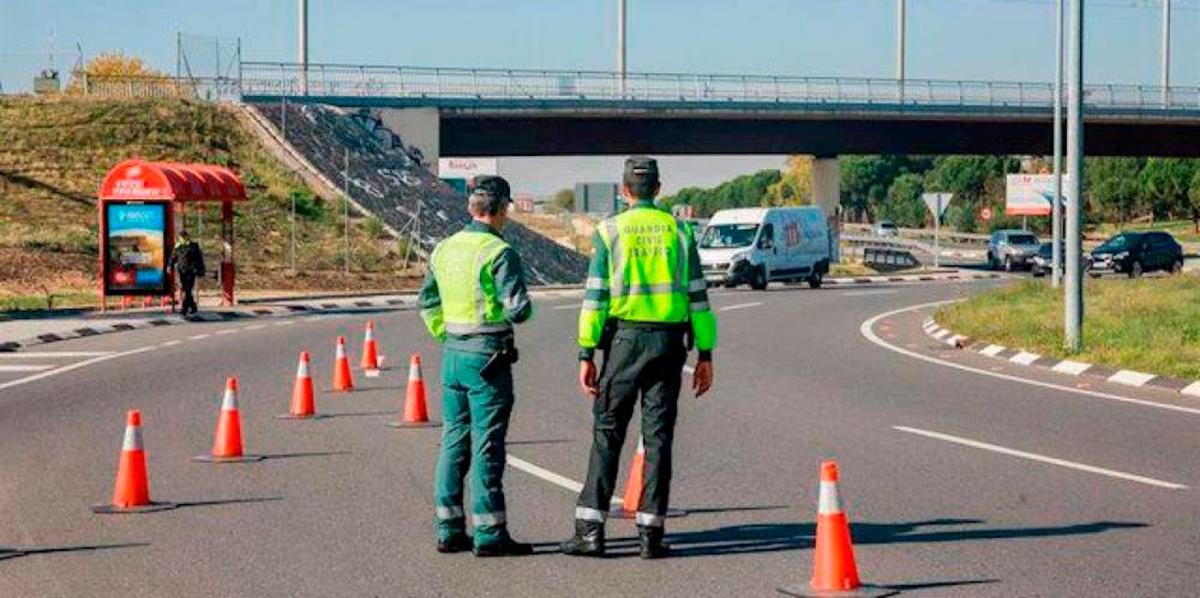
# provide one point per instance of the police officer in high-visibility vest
(471, 298)
(645, 303)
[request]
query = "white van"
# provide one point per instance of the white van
(758, 245)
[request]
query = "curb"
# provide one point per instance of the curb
(1067, 367)
(908, 278)
(395, 302)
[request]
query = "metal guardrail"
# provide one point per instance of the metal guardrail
(344, 80)
(135, 87)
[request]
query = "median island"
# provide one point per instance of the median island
(1146, 325)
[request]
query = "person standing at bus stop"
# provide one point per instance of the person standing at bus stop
(644, 305)
(188, 262)
(473, 294)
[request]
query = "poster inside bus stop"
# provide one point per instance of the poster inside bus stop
(136, 236)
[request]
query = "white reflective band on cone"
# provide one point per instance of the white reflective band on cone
(497, 518)
(370, 336)
(133, 438)
(229, 403)
(341, 351)
(414, 370)
(590, 514)
(302, 370)
(448, 512)
(829, 502)
(649, 519)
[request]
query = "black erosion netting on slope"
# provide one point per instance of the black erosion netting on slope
(387, 179)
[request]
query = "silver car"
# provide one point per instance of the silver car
(1012, 249)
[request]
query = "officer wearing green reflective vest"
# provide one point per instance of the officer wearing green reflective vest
(473, 294)
(645, 303)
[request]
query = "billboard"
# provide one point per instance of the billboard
(135, 236)
(597, 198)
(1030, 194)
(458, 172)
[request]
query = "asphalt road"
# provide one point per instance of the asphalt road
(343, 507)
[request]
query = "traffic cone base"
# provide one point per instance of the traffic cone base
(131, 492)
(864, 591)
(8, 553)
(150, 508)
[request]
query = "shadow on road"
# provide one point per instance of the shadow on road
(302, 455)
(16, 552)
(773, 537)
(229, 501)
(541, 441)
(358, 414)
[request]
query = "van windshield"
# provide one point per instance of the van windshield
(727, 236)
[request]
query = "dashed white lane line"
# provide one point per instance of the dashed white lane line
(285, 322)
(568, 306)
(74, 366)
(867, 330)
(865, 293)
(256, 327)
(550, 476)
(227, 331)
(740, 306)
(25, 367)
(52, 354)
(689, 369)
(1112, 473)
(170, 343)
(197, 337)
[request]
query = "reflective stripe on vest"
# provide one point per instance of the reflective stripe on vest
(462, 268)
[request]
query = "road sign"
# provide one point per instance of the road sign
(937, 202)
(985, 214)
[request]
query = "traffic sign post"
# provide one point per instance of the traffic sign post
(937, 202)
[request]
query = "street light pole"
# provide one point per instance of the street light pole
(1073, 300)
(1166, 51)
(621, 25)
(302, 43)
(901, 26)
(1056, 209)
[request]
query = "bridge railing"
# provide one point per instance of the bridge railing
(290, 79)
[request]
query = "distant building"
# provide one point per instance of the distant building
(523, 202)
(596, 198)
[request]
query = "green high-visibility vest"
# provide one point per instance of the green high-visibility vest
(462, 266)
(648, 266)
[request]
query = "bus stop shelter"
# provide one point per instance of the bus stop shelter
(141, 207)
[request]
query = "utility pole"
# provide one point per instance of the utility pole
(1073, 312)
(1166, 52)
(621, 27)
(901, 26)
(1056, 207)
(346, 200)
(302, 43)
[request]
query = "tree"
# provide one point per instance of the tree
(744, 191)
(1165, 185)
(794, 188)
(971, 179)
(117, 64)
(563, 200)
(904, 205)
(1194, 200)
(1113, 185)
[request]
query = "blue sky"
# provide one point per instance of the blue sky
(948, 39)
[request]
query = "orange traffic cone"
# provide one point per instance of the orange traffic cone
(303, 405)
(372, 361)
(227, 441)
(834, 570)
(415, 413)
(342, 380)
(628, 507)
(131, 493)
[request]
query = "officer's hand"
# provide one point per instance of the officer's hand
(587, 379)
(702, 378)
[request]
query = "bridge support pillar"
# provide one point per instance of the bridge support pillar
(420, 128)
(827, 193)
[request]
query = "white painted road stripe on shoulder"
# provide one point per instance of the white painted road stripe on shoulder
(1024, 358)
(740, 306)
(1112, 473)
(1192, 389)
(1131, 378)
(1073, 368)
(53, 354)
(197, 337)
(866, 329)
(227, 331)
(992, 350)
(171, 343)
(25, 367)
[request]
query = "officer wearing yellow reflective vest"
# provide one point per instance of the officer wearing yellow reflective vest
(473, 294)
(645, 303)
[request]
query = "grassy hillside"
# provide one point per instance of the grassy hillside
(56, 151)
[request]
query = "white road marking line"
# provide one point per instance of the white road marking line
(73, 366)
(865, 329)
(1112, 473)
(1192, 389)
(689, 369)
(568, 306)
(1024, 358)
(992, 350)
(941, 334)
(227, 331)
(53, 354)
(550, 476)
(865, 293)
(25, 367)
(256, 327)
(197, 337)
(1073, 368)
(170, 343)
(285, 323)
(1131, 378)
(740, 306)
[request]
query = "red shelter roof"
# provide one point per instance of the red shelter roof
(141, 180)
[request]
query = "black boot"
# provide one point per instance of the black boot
(505, 546)
(653, 546)
(587, 541)
(455, 543)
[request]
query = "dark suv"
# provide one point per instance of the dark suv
(1135, 253)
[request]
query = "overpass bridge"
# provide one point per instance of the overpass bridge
(515, 112)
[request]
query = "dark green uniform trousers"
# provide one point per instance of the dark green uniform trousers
(476, 410)
(645, 361)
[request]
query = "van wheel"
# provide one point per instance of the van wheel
(758, 280)
(814, 281)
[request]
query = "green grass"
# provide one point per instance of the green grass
(1149, 325)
